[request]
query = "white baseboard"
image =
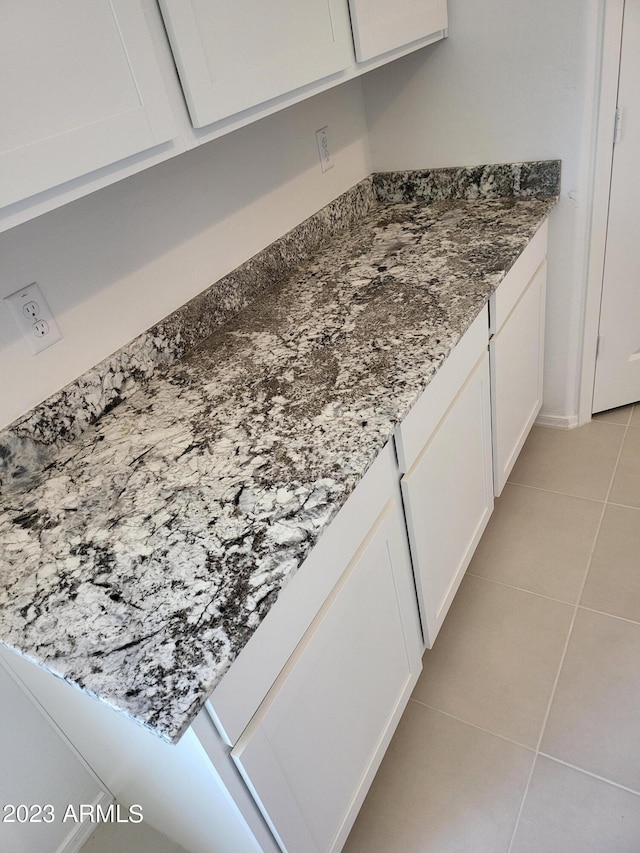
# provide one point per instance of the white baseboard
(557, 421)
(80, 832)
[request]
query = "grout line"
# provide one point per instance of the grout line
(472, 725)
(623, 506)
(556, 680)
(615, 467)
(617, 423)
(600, 417)
(555, 492)
(522, 589)
(610, 615)
(569, 634)
(589, 773)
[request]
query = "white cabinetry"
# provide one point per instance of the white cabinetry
(89, 92)
(379, 27)
(234, 54)
(311, 751)
(80, 89)
(517, 311)
(445, 450)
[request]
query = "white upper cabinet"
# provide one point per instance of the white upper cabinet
(89, 92)
(379, 26)
(234, 54)
(80, 89)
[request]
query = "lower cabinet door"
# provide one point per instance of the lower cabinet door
(517, 364)
(314, 745)
(448, 497)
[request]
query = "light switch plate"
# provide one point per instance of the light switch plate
(324, 152)
(33, 317)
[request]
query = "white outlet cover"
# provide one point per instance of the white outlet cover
(33, 320)
(324, 151)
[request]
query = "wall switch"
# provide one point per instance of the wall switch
(324, 152)
(33, 317)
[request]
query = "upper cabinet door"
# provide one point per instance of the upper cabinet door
(380, 26)
(80, 88)
(235, 54)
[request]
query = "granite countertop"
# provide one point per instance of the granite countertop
(137, 559)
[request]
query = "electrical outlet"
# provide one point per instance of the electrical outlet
(31, 310)
(324, 152)
(33, 317)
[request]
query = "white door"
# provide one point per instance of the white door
(617, 378)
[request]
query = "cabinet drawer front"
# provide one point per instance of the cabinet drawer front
(517, 365)
(504, 300)
(448, 498)
(311, 752)
(411, 435)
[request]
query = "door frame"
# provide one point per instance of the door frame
(606, 99)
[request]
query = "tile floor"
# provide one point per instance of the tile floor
(523, 732)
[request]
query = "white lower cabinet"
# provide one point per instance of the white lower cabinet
(310, 753)
(517, 355)
(448, 497)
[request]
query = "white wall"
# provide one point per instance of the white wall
(514, 81)
(114, 263)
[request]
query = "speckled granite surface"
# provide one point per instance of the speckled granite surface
(518, 180)
(30, 442)
(143, 557)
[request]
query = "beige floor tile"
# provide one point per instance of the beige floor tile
(613, 582)
(626, 485)
(635, 415)
(566, 811)
(495, 660)
(540, 541)
(621, 415)
(129, 838)
(576, 462)
(443, 787)
(594, 722)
